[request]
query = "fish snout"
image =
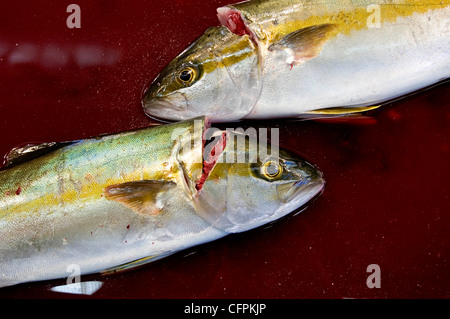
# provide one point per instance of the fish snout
(309, 183)
(170, 107)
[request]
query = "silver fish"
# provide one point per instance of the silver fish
(298, 58)
(118, 201)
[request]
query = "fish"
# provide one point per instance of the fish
(305, 59)
(111, 203)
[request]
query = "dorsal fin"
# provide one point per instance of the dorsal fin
(21, 154)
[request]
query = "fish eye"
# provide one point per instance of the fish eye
(187, 75)
(271, 170)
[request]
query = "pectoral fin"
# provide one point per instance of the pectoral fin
(304, 44)
(141, 196)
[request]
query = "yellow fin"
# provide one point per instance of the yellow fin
(304, 44)
(133, 264)
(343, 110)
(141, 196)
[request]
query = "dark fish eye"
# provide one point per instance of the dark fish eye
(187, 75)
(271, 170)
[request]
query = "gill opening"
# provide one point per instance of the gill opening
(233, 20)
(212, 149)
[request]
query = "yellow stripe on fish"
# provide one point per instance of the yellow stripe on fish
(270, 24)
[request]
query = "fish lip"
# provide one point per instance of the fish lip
(302, 189)
(301, 197)
(309, 177)
(163, 105)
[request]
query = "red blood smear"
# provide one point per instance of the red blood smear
(211, 159)
(232, 19)
(235, 20)
(18, 191)
(385, 201)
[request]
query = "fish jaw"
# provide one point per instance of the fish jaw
(298, 195)
(166, 109)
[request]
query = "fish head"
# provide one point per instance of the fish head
(216, 76)
(246, 188)
(232, 179)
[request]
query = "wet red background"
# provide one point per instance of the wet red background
(386, 200)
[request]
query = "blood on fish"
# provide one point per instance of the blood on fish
(211, 159)
(232, 19)
(235, 24)
(18, 191)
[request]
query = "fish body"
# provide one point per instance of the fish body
(294, 58)
(118, 201)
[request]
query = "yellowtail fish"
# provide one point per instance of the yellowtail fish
(118, 201)
(303, 58)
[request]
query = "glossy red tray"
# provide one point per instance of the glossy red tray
(386, 200)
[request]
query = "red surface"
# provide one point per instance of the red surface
(386, 200)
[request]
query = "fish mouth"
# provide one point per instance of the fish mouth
(310, 184)
(298, 195)
(300, 190)
(165, 109)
